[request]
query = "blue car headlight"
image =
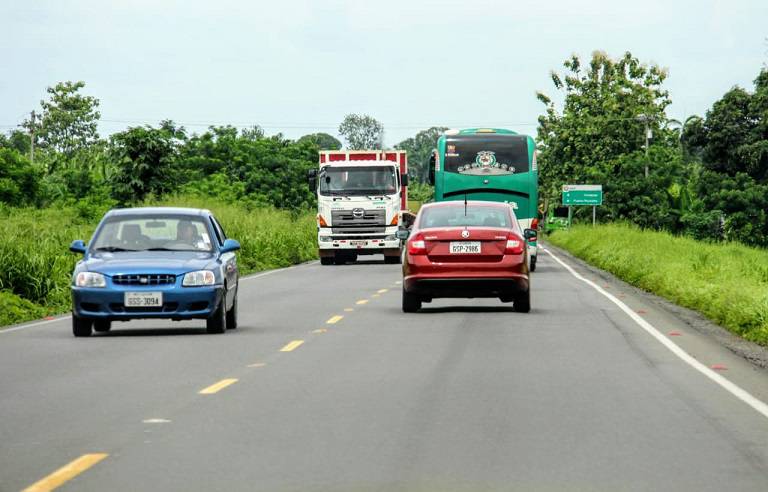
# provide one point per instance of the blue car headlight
(199, 278)
(90, 279)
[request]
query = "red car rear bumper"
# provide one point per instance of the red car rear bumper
(497, 279)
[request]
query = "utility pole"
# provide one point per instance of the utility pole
(32, 138)
(648, 134)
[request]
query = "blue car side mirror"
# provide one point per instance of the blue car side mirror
(230, 245)
(77, 246)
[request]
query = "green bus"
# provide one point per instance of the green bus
(490, 164)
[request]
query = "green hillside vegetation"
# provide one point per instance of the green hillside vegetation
(726, 282)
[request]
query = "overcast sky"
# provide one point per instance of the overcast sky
(298, 66)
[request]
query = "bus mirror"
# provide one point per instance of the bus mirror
(404, 179)
(530, 234)
(431, 174)
(312, 179)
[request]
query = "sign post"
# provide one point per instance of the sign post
(583, 195)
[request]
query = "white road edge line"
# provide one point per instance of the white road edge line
(62, 318)
(276, 270)
(758, 405)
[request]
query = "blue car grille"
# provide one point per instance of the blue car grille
(144, 279)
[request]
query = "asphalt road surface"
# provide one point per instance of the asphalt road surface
(327, 385)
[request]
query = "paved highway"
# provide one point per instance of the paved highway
(327, 385)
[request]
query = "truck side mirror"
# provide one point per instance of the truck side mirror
(431, 174)
(312, 179)
(530, 234)
(404, 179)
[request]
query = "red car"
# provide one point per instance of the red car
(466, 249)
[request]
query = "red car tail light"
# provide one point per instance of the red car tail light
(416, 245)
(515, 245)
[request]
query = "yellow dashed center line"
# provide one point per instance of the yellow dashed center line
(381, 291)
(375, 295)
(320, 330)
(398, 282)
(348, 310)
(216, 387)
(66, 473)
(292, 346)
(334, 319)
(362, 301)
(258, 364)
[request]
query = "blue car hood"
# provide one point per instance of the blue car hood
(174, 262)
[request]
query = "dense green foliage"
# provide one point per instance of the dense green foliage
(19, 180)
(36, 265)
(71, 162)
(322, 140)
(14, 309)
(420, 148)
(599, 135)
(362, 132)
(705, 177)
(732, 143)
(728, 282)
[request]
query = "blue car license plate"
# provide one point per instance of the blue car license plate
(143, 299)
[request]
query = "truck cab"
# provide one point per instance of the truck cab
(360, 199)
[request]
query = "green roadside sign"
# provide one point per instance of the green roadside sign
(583, 195)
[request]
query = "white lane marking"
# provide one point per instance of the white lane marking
(155, 421)
(36, 323)
(270, 272)
(62, 318)
(737, 391)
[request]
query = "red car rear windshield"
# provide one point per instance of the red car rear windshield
(474, 216)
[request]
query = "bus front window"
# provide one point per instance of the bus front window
(489, 155)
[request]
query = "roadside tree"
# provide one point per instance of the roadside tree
(362, 132)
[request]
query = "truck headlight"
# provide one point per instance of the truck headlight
(325, 239)
(390, 238)
(198, 278)
(90, 279)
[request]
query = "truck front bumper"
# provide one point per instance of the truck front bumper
(384, 243)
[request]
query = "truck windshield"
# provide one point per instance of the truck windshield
(357, 180)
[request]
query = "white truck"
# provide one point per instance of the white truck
(361, 198)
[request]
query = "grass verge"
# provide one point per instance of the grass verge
(727, 283)
(36, 265)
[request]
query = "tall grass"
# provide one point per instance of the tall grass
(728, 283)
(36, 265)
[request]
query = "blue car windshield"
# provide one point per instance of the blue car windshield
(155, 233)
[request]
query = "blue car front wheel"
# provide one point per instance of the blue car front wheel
(232, 315)
(217, 323)
(81, 327)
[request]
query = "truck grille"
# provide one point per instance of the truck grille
(359, 221)
(144, 279)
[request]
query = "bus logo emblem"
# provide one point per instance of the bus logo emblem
(486, 159)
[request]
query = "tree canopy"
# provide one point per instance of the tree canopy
(362, 132)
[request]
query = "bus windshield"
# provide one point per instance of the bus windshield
(486, 155)
(358, 180)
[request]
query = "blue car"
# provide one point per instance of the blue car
(172, 263)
